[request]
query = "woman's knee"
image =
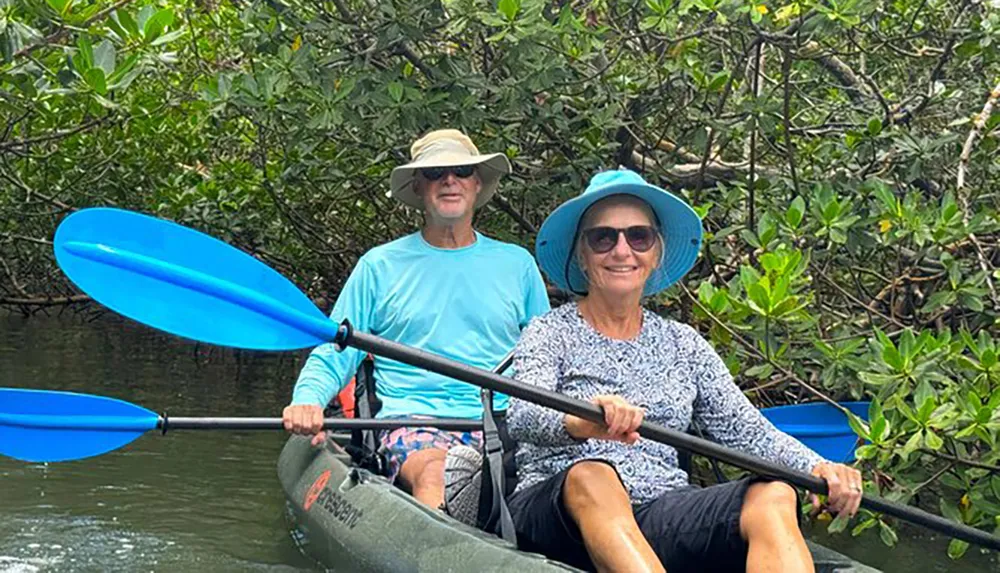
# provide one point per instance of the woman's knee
(766, 501)
(592, 483)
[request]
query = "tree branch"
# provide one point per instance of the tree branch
(45, 300)
(58, 34)
(60, 134)
(970, 140)
(963, 197)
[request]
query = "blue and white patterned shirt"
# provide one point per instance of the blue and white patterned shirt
(668, 369)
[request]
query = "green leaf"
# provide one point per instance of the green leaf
(875, 410)
(880, 428)
(59, 6)
(893, 358)
(876, 379)
(760, 371)
(887, 197)
(127, 22)
(705, 292)
(874, 126)
(750, 238)
(966, 431)
(104, 57)
(84, 59)
(95, 79)
(105, 102)
(718, 80)
(988, 358)
(748, 276)
(168, 37)
(925, 410)
(905, 409)
(121, 70)
(932, 440)
(117, 28)
(157, 23)
(509, 9)
(957, 548)
(912, 444)
(793, 216)
(973, 303)
(864, 525)
(758, 296)
(858, 425)
(839, 523)
(866, 452)
(719, 301)
(887, 534)
(396, 91)
(923, 393)
(950, 510)
(939, 299)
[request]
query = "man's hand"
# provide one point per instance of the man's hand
(306, 419)
(621, 420)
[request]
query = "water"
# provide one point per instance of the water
(187, 501)
(199, 500)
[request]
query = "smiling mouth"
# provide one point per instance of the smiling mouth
(622, 270)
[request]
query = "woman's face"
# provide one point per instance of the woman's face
(622, 270)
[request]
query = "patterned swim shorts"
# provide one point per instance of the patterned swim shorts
(401, 442)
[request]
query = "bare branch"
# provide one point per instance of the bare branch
(974, 134)
(45, 300)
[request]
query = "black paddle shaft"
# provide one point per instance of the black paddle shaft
(450, 424)
(346, 336)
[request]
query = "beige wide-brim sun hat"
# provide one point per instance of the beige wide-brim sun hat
(447, 148)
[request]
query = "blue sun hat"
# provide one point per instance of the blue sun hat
(678, 223)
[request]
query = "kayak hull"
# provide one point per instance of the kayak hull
(352, 520)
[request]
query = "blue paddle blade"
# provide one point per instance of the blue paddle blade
(184, 282)
(49, 426)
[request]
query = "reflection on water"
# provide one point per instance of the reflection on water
(197, 500)
(188, 501)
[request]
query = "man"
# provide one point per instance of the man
(446, 289)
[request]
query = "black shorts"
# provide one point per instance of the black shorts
(692, 529)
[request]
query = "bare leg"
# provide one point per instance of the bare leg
(768, 521)
(597, 501)
(422, 474)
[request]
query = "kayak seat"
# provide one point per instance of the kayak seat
(365, 445)
(366, 451)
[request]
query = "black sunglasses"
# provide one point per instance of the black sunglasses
(640, 238)
(435, 173)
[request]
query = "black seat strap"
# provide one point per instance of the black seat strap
(494, 462)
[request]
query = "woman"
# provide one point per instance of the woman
(595, 495)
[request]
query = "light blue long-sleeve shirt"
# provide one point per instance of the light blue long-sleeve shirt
(467, 304)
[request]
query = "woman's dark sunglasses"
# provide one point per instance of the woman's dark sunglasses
(460, 171)
(640, 238)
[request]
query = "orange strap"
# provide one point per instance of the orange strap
(346, 398)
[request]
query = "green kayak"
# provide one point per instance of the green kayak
(352, 520)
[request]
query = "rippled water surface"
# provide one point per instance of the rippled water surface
(188, 501)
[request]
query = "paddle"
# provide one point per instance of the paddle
(192, 285)
(54, 426)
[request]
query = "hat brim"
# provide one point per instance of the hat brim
(679, 224)
(492, 167)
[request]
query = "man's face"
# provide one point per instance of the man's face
(449, 193)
